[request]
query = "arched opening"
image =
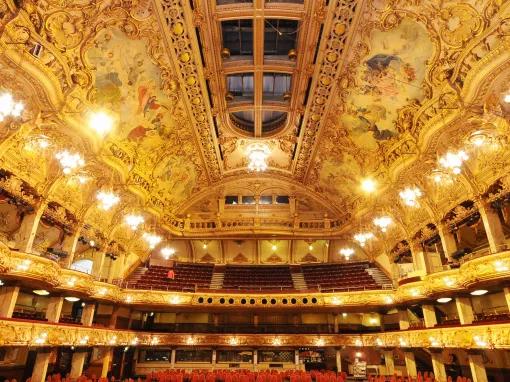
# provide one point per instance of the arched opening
(84, 266)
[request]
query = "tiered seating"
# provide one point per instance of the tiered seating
(188, 277)
(257, 277)
(29, 315)
(337, 277)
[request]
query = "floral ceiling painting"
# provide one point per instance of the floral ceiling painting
(152, 123)
(388, 79)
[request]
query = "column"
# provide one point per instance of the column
(113, 317)
(465, 310)
(389, 362)
(410, 364)
(419, 261)
(338, 360)
(41, 365)
(335, 323)
(506, 291)
(28, 229)
(8, 298)
(492, 225)
(77, 363)
(107, 358)
(296, 357)
(403, 319)
(54, 309)
(438, 365)
(69, 245)
(87, 315)
(447, 240)
(255, 320)
(172, 358)
(477, 367)
(255, 358)
(213, 358)
(97, 267)
(429, 316)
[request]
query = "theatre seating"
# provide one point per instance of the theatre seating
(188, 277)
(29, 315)
(258, 277)
(323, 277)
(339, 277)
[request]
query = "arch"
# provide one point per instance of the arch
(83, 265)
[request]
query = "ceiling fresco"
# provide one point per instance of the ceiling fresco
(381, 89)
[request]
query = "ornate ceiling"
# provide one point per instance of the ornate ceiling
(379, 89)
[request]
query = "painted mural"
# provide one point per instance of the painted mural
(389, 78)
(152, 123)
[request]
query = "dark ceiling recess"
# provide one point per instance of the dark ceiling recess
(280, 36)
(238, 37)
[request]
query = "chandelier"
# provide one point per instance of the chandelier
(257, 155)
(167, 252)
(363, 237)
(8, 107)
(152, 239)
(107, 199)
(410, 196)
(133, 221)
(69, 162)
(101, 122)
(453, 161)
(347, 252)
(383, 222)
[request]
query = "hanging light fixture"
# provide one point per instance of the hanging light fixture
(257, 155)
(101, 122)
(453, 161)
(152, 239)
(167, 252)
(8, 107)
(69, 162)
(363, 237)
(133, 221)
(410, 196)
(383, 222)
(347, 253)
(107, 199)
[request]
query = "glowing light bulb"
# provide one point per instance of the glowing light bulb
(368, 185)
(101, 122)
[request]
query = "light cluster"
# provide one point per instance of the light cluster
(69, 161)
(9, 107)
(107, 199)
(257, 156)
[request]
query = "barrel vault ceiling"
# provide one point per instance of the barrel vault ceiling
(373, 89)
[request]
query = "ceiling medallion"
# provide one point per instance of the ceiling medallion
(257, 156)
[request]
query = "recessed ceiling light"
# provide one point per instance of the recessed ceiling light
(1, 283)
(479, 292)
(71, 299)
(444, 300)
(41, 292)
